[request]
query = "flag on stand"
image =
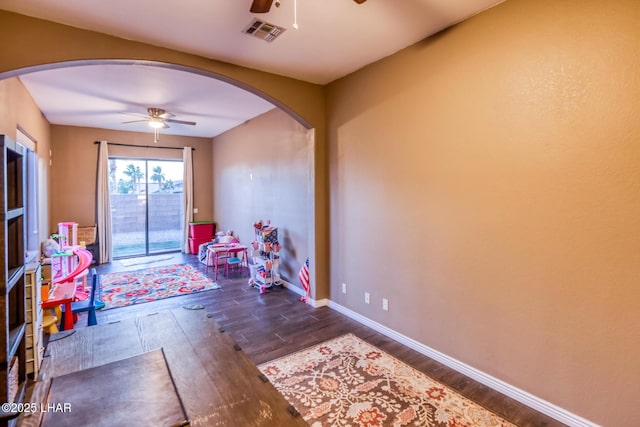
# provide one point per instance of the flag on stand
(304, 279)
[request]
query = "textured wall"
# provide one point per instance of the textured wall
(486, 181)
(263, 171)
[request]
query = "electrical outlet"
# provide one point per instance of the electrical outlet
(344, 288)
(195, 210)
(385, 304)
(367, 298)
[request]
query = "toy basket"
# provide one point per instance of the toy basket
(87, 234)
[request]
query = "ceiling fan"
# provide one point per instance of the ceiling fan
(158, 119)
(263, 6)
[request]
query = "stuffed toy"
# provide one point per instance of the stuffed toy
(225, 237)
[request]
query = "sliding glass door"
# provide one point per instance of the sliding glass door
(146, 206)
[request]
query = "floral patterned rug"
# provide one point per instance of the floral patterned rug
(348, 382)
(151, 284)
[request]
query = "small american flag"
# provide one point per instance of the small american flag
(304, 279)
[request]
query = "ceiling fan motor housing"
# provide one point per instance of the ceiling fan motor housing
(156, 112)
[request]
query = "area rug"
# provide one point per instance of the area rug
(151, 284)
(348, 382)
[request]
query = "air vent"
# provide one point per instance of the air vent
(263, 30)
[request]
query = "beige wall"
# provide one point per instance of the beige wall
(262, 171)
(74, 165)
(17, 109)
(486, 181)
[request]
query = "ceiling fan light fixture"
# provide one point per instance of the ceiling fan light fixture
(156, 123)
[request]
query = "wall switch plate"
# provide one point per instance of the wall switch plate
(195, 210)
(385, 304)
(367, 298)
(344, 288)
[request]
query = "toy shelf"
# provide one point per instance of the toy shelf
(265, 269)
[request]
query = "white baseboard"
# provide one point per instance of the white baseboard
(298, 290)
(509, 390)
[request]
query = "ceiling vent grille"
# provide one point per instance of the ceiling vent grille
(263, 30)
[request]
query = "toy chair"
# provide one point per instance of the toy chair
(234, 262)
(50, 324)
(237, 256)
(89, 305)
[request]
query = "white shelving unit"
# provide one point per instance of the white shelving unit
(261, 259)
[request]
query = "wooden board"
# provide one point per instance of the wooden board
(137, 391)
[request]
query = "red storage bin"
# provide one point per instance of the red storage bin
(200, 230)
(195, 242)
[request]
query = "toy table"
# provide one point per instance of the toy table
(62, 293)
(215, 251)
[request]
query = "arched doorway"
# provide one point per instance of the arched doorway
(296, 252)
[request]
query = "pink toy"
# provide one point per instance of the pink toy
(69, 232)
(84, 261)
(63, 261)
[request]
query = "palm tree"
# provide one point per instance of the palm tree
(134, 173)
(168, 186)
(157, 176)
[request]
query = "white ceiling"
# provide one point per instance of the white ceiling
(334, 38)
(98, 95)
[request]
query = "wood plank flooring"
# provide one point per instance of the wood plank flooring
(265, 326)
(216, 382)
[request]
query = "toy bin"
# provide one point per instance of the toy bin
(195, 242)
(201, 230)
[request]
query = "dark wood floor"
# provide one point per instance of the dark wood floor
(274, 324)
(102, 374)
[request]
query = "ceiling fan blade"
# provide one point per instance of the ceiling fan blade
(260, 6)
(359, 1)
(143, 116)
(136, 121)
(181, 122)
